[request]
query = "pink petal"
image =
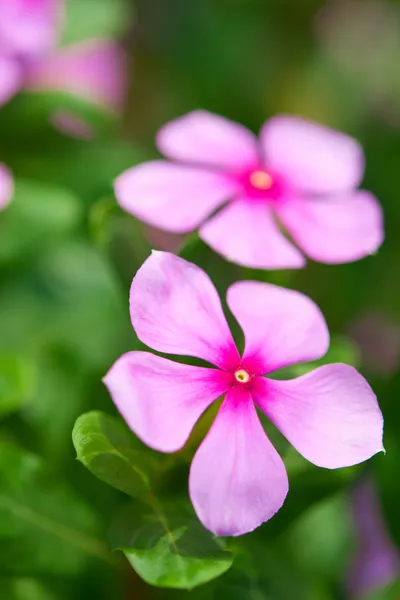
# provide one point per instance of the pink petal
(330, 415)
(170, 196)
(93, 70)
(29, 28)
(204, 138)
(246, 233)
(10, 78)
(337, 230)
(312, 158)
(6, 186)
(281, 327)
(175, 308)
(161, 400)
(237, 479)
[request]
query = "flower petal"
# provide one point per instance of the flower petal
(6, 186)
(337, 230)
(313, 158)
(237, 479)
(330, 415)
(93, 70)
(246, 233)
(281, 327)
(175, 308)
(204, 138)
(172, 197)
(161, 400)
(29, 28)
(10, 78)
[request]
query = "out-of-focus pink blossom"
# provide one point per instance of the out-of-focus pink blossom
(93, 70)
(28, 31)
(302, 174)
(6, 186)
(29, 28)
(377, 561)
(237, 479)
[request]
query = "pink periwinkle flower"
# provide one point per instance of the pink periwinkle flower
(302, 174)
(376, 561)
(6, 186)
(237, 479)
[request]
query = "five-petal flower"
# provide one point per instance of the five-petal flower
(302, 174)
(237, 479)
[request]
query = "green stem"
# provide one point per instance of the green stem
(85, 542)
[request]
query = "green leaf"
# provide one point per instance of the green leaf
(168, 547)
(17, 382)
(44, 526)
(110, 451)
(36, 219)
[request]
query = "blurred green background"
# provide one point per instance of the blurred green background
(68, 255)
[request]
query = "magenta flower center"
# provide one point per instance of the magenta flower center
(242, 376)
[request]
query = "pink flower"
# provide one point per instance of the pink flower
(6, 186)
(301, 173)
(376, 561)
(237, 479)
(28, 31)
(93, 70)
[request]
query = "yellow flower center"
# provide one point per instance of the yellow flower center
(242, 376)
(261, 180)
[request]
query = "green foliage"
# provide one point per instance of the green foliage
(169, 548)
(17, 383)
(109, 450)
(24, 589)
(44, 525)
(166, 547)
(37, 218)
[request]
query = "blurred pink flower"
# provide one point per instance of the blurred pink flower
(377, 561)
(93, 70)
(28, 31)
(301, 173)
(237, 479)
(6, 186)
